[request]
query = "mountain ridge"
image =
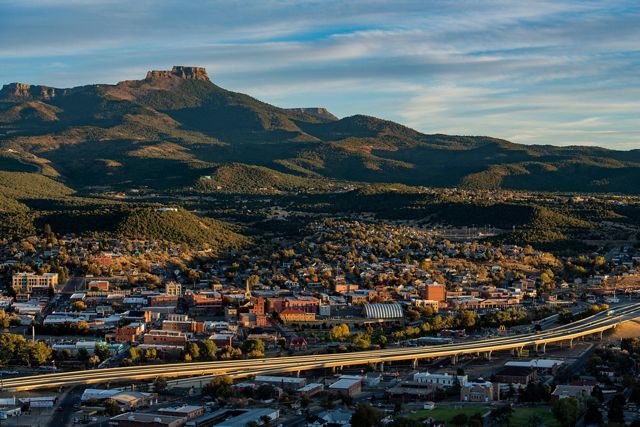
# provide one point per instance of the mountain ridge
(174, 127)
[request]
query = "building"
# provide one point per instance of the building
(479, 392)
(562, 391)
(235, 417)
(25, 282)
(140, 419)
(186, 326)
(129, 333)
(383, 311)
(130, 400)
(290, 383)
(204, 303)
(296, 315)
(189, 412)
(310, 389)
(173, 288)
(435, 292)
(515, 375)
(412, 390)
(160, 337)
(347, 385)
(439, 380)
(98, 285)
(540, 365)
(308, 304)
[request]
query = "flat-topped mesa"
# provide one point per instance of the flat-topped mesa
(181, 72)
(25, 90)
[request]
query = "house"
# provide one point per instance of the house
(479, 392)
(562, 391)
(298, 343)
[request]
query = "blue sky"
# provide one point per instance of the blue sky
(535, 72)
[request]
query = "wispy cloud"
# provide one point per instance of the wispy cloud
(558, 72)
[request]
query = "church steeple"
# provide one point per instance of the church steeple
(247, 290)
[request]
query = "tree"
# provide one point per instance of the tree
(365, 416)
(78, 306)
(134, 354)
(616, 409)
(10, 346)
(404, 422)
(338, 332)
(535, 420)
(160, 385)
(466, 319)
(253, 348)
(194, 350)
(208, 349)
(94, 360)
(361, 341)
(111, 407)
(501, 415)
(39, 352)
(219, 387)
(83, 355)
(459, 419)
(592, 412)
(566, 411)
(265, 392)
(102, 351)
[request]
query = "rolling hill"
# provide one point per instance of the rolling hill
(176, 130)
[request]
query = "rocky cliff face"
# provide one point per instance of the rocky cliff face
(319, 112)
(24, 90)
(181, 72)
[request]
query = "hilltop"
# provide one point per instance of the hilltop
(175, 129)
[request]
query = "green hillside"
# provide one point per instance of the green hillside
(167, 131)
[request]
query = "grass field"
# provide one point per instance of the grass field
(445, 414)
(520, 416)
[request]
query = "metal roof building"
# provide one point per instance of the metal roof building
(383, 311)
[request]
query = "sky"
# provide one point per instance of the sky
(536, 72)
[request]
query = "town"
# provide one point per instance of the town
(75, 303)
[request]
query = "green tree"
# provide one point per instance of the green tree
(10, 346)
(460, 419)
(134, 354)
(535, 420)
(194, 351)
(361, 341)
(365, 416)
(160, 385)
(566, 411)
(208, 349)
(219, 388)
(39, 352)
(339, 332)
(253, 348)
(616, 409)
(83, 355)
(111, 407)
(592, 412)
(102, 351)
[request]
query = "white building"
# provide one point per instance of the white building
(439, 380)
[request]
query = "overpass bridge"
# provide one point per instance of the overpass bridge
(594, 325)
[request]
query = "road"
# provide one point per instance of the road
(65, 409)
(596, 324)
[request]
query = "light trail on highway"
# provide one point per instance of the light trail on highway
(248, 367)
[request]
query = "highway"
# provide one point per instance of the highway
(593, 325)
